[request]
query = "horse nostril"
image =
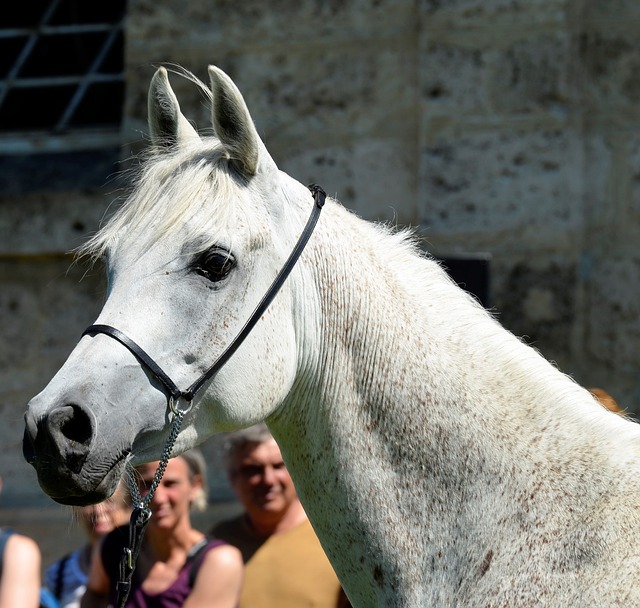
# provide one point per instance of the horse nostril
(72, 421)
(71, 429)
(28, 451)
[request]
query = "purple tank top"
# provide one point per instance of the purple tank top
(175, 595)
(172, 597)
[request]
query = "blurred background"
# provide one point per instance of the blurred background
(506, 132)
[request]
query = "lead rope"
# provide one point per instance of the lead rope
(141, 512)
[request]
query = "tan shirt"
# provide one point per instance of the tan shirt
(287, 570)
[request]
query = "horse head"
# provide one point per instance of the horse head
(204, 232)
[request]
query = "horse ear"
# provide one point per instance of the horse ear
(167, 125)
(232, 122)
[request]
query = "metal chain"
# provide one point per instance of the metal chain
(179, 414)
(141, 512)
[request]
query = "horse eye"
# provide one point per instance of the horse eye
(214, 264)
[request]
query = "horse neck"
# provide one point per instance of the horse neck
(419, 428)
(408, 373)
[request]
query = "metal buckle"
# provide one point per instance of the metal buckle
(173, 406)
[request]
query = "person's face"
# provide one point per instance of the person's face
(173, 496)
(100, 519)
(261, 481)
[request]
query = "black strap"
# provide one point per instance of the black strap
(195, 557)
(137, 527)
(319, 197)
(145, 359)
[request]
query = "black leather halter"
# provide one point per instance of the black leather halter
(172, 390)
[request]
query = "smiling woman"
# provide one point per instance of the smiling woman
(177, 565)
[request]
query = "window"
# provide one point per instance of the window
(61, 75)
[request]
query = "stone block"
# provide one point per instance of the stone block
(612, 178)
(504, 190)
(610, 62)
(528, 74)
(373, 177)
(253, 26)
(48, 222)
(346, 91)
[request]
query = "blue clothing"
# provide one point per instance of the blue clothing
(66, 580)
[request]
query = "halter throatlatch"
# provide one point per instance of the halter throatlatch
(141, 513)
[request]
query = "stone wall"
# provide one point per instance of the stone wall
(508, 127)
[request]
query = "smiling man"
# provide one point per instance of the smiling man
(285, 565)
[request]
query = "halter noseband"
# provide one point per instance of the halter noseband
(141, 513)
(173, 392)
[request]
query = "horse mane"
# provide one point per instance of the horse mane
(421, 278)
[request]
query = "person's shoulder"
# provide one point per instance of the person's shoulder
(22, 547)
(221, 556)
(21, 554)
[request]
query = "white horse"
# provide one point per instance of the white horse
(441, 461)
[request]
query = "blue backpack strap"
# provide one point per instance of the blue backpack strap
(47, 599)
(5, 533)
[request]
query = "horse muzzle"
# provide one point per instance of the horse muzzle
(57, 444)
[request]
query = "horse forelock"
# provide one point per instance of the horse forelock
(170, 190)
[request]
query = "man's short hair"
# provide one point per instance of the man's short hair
(237, 441)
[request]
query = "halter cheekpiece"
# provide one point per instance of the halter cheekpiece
(174, 393)
(141, 512)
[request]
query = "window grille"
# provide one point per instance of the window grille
(61, 74)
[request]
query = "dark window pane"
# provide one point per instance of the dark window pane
(101, 106)
(57, 55)
(34, 108)
(10, 48)
(72, 12)
(113, 63)
(22, 14)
